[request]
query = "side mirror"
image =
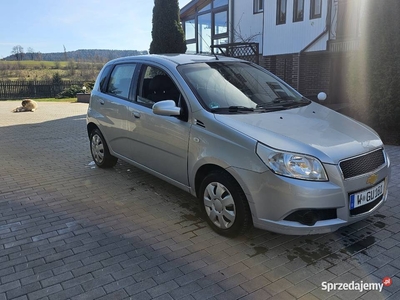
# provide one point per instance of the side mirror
(321, 96)
(166, 108)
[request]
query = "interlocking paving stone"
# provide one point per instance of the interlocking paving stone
(69, 230)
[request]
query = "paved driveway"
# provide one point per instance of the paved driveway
(71, 230)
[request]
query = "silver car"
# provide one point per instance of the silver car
(247, 145)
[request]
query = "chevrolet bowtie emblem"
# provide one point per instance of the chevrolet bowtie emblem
(372, 179)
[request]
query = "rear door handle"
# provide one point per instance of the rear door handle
(101, 102)
(136, 114)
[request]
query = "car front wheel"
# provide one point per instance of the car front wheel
(99, 149)
(224, 204)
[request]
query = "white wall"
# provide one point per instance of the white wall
(247, 24)
(292, 37)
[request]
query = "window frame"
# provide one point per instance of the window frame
(296, 11)
(279, 20)
(313, 14)
(258, 6)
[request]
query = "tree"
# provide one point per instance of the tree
(31, 53)
(18, 51)
(65, 53)
(374, 72)
(167, 33)
(39, 56)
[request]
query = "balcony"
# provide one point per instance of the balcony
(343, 45)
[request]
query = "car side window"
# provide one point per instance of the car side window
(156, 86)
(120, 80)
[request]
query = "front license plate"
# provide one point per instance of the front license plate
(367, 196)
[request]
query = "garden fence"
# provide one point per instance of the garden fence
(34, 89)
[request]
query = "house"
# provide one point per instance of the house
(304, 42)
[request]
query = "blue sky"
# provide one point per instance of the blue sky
(48, 25)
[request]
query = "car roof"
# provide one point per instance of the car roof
(178, 59)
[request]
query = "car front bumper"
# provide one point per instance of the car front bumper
(276, 200)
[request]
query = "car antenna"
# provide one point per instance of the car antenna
(215, 55)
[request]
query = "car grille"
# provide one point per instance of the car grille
(362, 164)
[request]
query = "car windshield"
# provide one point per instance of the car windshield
(239, 87)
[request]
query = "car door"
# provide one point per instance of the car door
(113, 108)
(160, 142)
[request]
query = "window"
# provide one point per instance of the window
(191, 48)
(120, 80)
(207, 25)
(156, 86)
(204, 33)
(219, 42)
(104, 78)
(221, 22)
(315, 9)
(218, 3)
(298, 10)
(281, 12)
(258, 6)
(205, 8)
(190, 29)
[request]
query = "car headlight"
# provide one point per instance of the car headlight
(293, 165)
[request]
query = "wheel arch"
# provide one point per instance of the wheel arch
(202, 172)
(206, 169)
(90, 127)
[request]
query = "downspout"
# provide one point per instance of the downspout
(263, 30)
(326, 30)
(231, 14)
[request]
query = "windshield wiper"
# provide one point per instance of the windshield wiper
(283, 103)
(234, 109)
(283, 99)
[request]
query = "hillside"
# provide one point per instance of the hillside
(88, 55)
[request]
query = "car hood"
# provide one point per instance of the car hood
(312, 129)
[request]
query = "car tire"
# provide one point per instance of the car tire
(224, 204)
(99, 149)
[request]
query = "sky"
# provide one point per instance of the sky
(48, 25)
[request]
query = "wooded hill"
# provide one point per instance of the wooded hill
(89, 55)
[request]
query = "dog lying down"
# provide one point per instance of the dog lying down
(27, 105)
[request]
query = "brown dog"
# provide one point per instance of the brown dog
(27, 105)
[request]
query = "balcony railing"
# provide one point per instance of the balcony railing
(342, 45)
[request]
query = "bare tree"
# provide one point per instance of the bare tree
(18, 51)
(31, 52)
(239, 36)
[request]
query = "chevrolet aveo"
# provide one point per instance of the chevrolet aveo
(247, 145)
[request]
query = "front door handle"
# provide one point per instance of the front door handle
(136, 114)
(101, 102)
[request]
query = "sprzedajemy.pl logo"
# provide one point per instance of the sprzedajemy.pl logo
(356, 286)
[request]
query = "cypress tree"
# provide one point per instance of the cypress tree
(167, 33)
